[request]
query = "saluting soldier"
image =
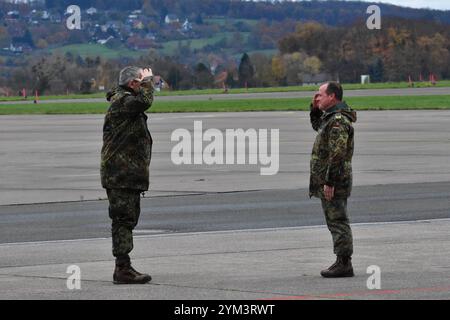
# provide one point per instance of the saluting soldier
(125, 160)
(331, 170)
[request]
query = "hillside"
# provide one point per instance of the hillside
(176, 27)
(218, 44)
(332, 12)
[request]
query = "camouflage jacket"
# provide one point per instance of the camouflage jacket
(127, 143)
(331, 159)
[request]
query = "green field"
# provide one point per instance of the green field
(223, 22)
(170, 47)
(388, 85)
(301, 104)
(266, 52)
(94, 50)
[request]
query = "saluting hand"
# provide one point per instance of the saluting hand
(147, 72)
(315, 101)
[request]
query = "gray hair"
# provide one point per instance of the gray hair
(129, 74)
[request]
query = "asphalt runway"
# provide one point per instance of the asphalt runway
(245, 210)
(224, 231)
(264, 95)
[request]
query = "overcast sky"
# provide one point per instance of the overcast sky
(432, 4)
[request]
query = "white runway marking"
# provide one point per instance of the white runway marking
(225, 231)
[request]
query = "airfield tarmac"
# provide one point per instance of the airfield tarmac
(226, 232)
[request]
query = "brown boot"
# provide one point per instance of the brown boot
(126, 274)
(340, 269)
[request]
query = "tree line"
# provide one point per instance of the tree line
(312, 53)
(402, 48)
(332, 12)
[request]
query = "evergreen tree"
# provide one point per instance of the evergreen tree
(246, 71)
(376, 70)
(199, 19)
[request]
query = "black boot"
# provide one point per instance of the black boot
(126, 274)
(340, 269)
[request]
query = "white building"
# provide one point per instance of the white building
(187, 26)
(171, 18)
(91, 11)
(105, 41)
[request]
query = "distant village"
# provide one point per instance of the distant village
(133, 29)
(226, 45)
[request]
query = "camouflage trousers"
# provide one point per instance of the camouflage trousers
(338, 223)
(124, 210)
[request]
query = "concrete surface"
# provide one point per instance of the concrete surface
(401, 171)
(414, 260)
(56, 158)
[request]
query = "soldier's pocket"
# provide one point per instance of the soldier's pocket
(318, 172)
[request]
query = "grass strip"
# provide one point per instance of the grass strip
(300, 104)
(389, 85)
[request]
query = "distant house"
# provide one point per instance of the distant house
(91, 11)
(171, 18)
(13, 14)
(187, 26)
(105, 41)
(45, 15)
(14, 49)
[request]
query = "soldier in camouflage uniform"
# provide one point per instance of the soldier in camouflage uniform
(125, 160)
(331, 170)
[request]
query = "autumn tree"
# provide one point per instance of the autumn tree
(263, 76)
(5, 39)
(203, 76)
(279, 69)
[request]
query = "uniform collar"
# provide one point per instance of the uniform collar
(128, 89)
(337, 108)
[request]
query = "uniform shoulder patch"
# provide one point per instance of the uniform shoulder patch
(336, 124)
